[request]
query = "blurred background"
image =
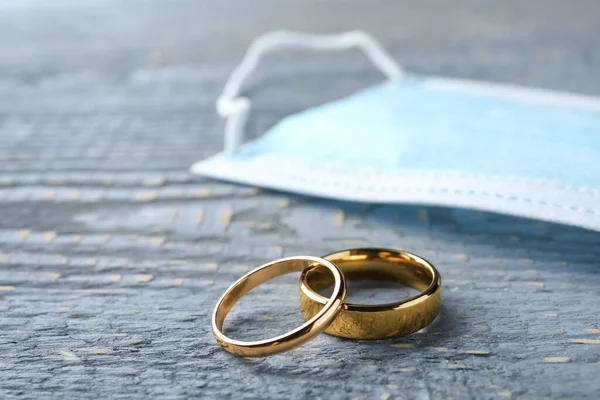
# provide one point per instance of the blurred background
(550, 44)
(112, 256)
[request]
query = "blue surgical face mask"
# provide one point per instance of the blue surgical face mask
(423, 140)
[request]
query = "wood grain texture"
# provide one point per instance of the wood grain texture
(112, 256)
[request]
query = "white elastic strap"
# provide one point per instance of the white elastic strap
(236, 109)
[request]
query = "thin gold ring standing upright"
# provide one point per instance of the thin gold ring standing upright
(315, 324)
(360, 321)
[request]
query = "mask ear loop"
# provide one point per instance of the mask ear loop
(235, 109)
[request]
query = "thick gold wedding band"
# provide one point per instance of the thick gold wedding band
(378, 321)
(315, 324)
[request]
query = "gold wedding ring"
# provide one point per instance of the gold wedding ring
(357, 321)
(316, 323)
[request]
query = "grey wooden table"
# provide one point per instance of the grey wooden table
(112, 256)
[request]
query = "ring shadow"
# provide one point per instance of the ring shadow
(447, 325)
